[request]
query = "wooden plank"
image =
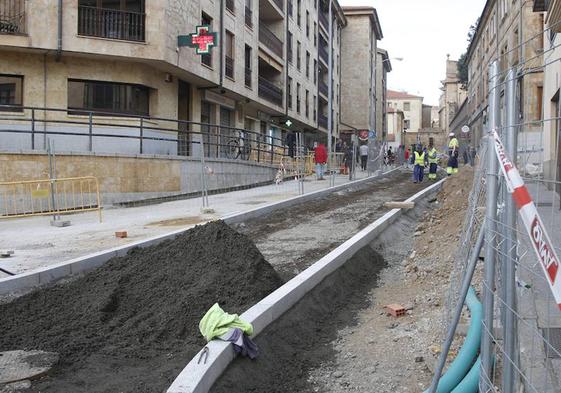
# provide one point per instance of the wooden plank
(399, 205)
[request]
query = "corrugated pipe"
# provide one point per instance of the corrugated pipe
(468, 353)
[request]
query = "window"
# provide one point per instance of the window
(249, 13)
(298, 97)
(289, 50)
(307, 64)
(539, 103)
(116, 98)
(299, 12)
(207, 58)
(307, 23)
(230, 5)
(315, 109)
(11, 92)
(307, 103)
(229, 64)
(298, 60)
(247, 65)
(289, 4)
(406, 106)
(289, 93)
(406, 124)
(315, 34)
(315, 72)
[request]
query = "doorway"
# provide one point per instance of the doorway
(183, 115)
(226, 133)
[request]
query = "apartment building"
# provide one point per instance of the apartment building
(552, 90)
(383, 66)
(452, 97)
(507, 31)
(123, 58)
(359, 69)
(411, 106)
(395, 119)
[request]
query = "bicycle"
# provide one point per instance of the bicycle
(238, 148)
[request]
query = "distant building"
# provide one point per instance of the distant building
(453, 95)
(411, 106)
(395, 119)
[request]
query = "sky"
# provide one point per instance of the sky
(422, 32)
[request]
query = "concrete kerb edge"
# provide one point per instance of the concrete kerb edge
(41, 276)
(199, 378)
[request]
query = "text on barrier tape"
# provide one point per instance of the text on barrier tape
(540, 240)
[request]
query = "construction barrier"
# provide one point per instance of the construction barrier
(49, 197)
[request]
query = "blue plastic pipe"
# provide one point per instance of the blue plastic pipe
(468, 353)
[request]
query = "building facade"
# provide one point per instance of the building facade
(383, 66)
(552, 92)
(411, 106)
(507, 31)
(395, 120)
(452, 97)
(359, 57)
(123, 58)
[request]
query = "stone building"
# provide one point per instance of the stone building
(507, 31)
(411, 106)
(552, 91)
(359, 67)
(383, 66)
(123, 58)
(453, 95)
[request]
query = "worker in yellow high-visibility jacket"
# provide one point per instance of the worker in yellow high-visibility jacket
(432, 159)
(453, 153)
(419, 164)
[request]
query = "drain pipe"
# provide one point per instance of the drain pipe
(464, 292)
(59, 34)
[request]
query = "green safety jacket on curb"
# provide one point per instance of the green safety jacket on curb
(419, 159)
(433, 156)
(216, 322)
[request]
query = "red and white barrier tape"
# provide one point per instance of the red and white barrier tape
(532, 222)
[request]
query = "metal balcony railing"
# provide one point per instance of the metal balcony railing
(323, 54)
(116, 24)
(322, 120)
(248, 17)
(229, 67)
(248, 75)
(280, 4)
(269, 91)
(12, 17)
(270, 40)
(323, 89)
(323, 20)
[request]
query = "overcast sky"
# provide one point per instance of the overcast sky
(422, 32)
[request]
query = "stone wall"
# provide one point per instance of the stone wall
(128, 177)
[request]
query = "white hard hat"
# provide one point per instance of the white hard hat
(451, 134)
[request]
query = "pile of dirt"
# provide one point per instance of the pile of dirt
(132, 324)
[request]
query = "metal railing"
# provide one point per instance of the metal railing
(12, 17)
(49, 197)
(229, 65)
(248, 75)
(269, 91)
(270, 40)
(323, 89)
(323, 54)
(248, 17)
(107, 23)
(322, 120)
(107, 132)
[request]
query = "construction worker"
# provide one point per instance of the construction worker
(432, 159)
(453, 153)
(418, 170)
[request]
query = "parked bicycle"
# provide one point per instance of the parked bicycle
(238, 148)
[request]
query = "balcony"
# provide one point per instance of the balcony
(322, 120)
(12, 17)
(248, 17)
(270, 40)
(323, 89)
(323, 54)
(229, 67)
(248, 77)
(270, 92)
(323, 20)
(115, 24)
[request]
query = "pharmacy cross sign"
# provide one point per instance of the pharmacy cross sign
(203, 40)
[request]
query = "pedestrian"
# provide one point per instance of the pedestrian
(339, 146)
(290, 142)
(320, 157)
(363, 150)
(419, 169)
(348, 160)
(472, 154)
(453, 153)
(407, 155)
(432, 159)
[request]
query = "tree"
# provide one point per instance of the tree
(462, 61)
